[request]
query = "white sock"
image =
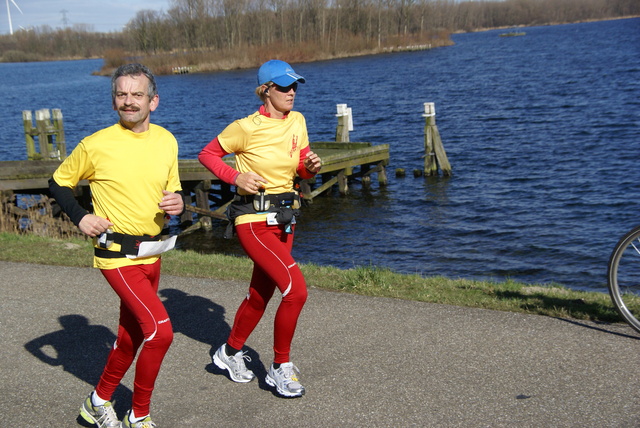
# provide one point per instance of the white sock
(133, 419)
(97, 401)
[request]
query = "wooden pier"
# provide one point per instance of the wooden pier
(343, 162)
(208, 196)
(340, 161)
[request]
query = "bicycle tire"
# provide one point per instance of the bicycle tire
(623, 277)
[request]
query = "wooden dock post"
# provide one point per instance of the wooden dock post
(345, 123)
(434, 153)
(343, 181)
(382, 175)
(202, 201)
(58, 125)
(51, 140)
(27, 122)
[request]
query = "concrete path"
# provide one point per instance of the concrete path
(366, 362)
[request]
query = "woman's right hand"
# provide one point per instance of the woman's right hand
(250, 182)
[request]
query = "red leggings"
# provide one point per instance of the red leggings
(270, 249)
(143, 321)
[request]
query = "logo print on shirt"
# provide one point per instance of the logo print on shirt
(294, 145)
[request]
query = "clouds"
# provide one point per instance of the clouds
(100, 15)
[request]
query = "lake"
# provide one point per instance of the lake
(542, 132)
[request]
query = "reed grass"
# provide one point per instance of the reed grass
(35, 214)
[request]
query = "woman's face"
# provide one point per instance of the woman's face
(279, 100)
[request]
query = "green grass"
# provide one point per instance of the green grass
(550, 300)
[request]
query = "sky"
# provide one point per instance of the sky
(101, 15)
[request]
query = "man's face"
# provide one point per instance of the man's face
(132, 102)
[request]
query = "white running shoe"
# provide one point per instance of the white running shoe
(234, 364)
(102, 416)
(145, 423)
(286, 380)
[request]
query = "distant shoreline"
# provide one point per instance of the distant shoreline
(213, 61)
(507, 27)
(166, 63)
(163, 64)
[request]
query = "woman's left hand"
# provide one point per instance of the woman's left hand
(312, 162)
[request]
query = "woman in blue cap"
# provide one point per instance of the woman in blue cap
(271, 148)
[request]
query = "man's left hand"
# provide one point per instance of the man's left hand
(171, 203)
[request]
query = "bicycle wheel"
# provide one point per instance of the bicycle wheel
(623, 277)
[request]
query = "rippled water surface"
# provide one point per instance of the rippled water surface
(542, 131)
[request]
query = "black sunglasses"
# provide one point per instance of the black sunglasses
(285, 89)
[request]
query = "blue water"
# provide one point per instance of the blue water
(542, 131)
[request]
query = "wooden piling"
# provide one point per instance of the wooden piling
(365, 170)
(382, 174)
(27, 123)
(434, 153)
(58, 125)
(343, 181)
(187, 216)
(345, 123)
(44, 139)
(51, 139)
(202, 201)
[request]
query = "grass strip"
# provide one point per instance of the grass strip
(508, 295)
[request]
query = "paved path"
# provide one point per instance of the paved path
(366, 362)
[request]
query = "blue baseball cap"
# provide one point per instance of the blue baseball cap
(278, 72)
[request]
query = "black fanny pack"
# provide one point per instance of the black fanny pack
(129, 245)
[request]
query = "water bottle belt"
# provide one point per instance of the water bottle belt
(273, 201)
(285, 205)
(129, 245)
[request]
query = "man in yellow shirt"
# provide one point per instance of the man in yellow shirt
(132, 169)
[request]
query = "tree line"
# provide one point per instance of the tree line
(252, 30)
(334, 25)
